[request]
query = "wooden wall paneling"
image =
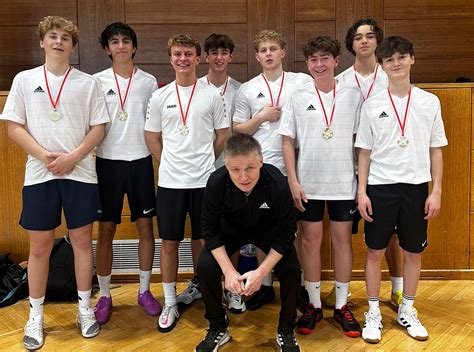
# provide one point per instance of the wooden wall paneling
(30, 12)
(153, 40)
(94, 16)
(188, 11)
(349, 11)
(472, 122)
(307, 30)
(448, 240)
(471, 240)
(275, 15)
(315, 10)
(409, 9)
(441, 70)
(436, 38)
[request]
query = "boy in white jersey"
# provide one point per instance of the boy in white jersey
(258, 105)
(400, 138)
(124, 164)
(186, 128)
(362, 39)
(58, 134)
(321, 118)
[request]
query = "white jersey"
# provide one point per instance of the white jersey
(186, 160)
(348, 78)
(228, 90)
(125, 140)
(80, 106)
(253, 96)
(325, 167)
(379, 132)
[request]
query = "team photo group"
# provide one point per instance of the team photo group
(256, 162)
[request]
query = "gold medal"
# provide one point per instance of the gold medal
(183, 130)
(328, 133)
(54, 116)
(122, 115)
(403, 142)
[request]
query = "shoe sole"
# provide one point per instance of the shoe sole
(304, 331)
(236, 311)
(348, 333)
(371, 340)
(87, 336)
(221, 343)
(169, 328)
(418, 338)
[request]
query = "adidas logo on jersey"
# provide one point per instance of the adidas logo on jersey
(264, 206)
(171, 106)
(311, 107)
(260, 95)
(111, 92)
(38, 90)
(382, 115)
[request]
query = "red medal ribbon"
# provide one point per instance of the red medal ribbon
(184, 117)
(55, 102)
(225, 87)
(371, 86)
(402, 125)
(270, 91)
(328, 123)
(122, 102)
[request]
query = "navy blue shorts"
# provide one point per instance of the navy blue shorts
(43, 202)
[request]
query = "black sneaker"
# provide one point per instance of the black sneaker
(215, 338)
(303, 299)
(307, 322)
(286, 341)
(346, 319)
(266, 294)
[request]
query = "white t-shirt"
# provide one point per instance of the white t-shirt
(325, 167)
(229, 94)
(379, 132)
(125, 140)
(347, 77)
(186, 161)
(80, 106)
(253, 96)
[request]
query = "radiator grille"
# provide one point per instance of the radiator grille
(126, 256)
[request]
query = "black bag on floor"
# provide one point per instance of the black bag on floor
(13, 281)
(62, 277)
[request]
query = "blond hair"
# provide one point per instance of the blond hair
(51, 22)
(184, 40)
(268, 35)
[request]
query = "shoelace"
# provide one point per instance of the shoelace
(348, 315)
(235, 297)
(191, 287)
(167, 311)
(34, 329)
(371, 320)
(413, 314)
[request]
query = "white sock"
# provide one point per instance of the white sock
(169, 289)
(342, 289)
(374, 305)
(84, 298)
(302, 278)
(36, 306)
(104, 284)
(267, 280)
(407, 301)
(145, 280)
(397, 283)
(314, 292)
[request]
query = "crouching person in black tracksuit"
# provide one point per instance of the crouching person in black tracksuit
(247, 201)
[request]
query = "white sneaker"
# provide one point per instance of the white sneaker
(372, 331)
(192, 293)
(235, 302)
(33, 338)
(168, 318)
(408, 317)
(87, 323)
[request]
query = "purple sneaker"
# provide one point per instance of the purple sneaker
(151, 305)
(103, 309)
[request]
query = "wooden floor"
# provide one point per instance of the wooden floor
(445, 307)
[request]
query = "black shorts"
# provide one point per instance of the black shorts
(172, 205)
(339, 210)
(134, 178)
(401, 205)
(42, 204)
